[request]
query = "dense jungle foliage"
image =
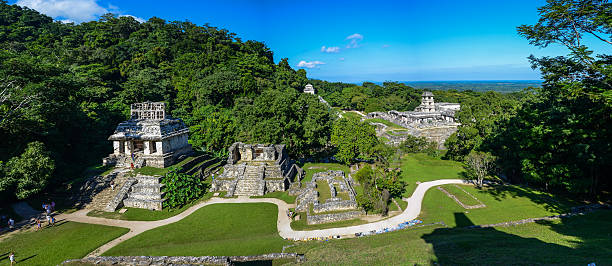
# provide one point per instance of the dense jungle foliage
(66, 87)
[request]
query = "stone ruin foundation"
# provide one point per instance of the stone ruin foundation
(256, 169)
(333, 209)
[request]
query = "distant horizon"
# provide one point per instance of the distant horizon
(424, 81)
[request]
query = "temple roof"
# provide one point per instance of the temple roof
(149, 129)
(427, 93)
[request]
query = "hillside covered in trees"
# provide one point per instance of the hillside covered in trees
(65, 87)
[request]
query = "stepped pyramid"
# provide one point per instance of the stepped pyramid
(146, 193)
(256, 169)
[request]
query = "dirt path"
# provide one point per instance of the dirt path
(283, 222)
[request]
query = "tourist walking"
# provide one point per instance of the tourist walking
(12, 258)
(112, 184)
(38, 224)
(52, 221)
(11, 223)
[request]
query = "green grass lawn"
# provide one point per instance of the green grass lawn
(504, 203)
(312, 168)
(351, 115)
(390, 125)
(576, 240)
(324, 191)
(421, 167)
(282, 195)
(461, 195)
(136, 214)
(216, 230)
(53, 245)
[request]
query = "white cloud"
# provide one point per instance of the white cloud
(73, 10)
(354, 40)
(311, 64)
(333, 49)
(355, 36)
(141, 20)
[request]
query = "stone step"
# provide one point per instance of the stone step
(140, 188)
(144, 204)
(146, 196)
(115, 202)
(148, 180)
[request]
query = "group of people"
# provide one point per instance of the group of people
(49, 208)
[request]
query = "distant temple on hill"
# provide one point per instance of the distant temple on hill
(148, 138)
(309, 89)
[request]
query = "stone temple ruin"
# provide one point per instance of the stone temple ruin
(253, 170)
(434, 121)
(341, 205)
(148, 138)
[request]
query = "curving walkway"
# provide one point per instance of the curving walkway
(283, 223)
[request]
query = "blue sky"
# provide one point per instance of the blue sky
(354, 41)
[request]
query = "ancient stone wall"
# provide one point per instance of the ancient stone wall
(333, 217)
(334, 205)
(185, 260)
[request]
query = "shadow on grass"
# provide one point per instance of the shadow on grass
(559, 204)
(490, 246)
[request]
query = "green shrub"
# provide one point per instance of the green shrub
(182, 188)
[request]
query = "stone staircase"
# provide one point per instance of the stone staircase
(99, 197)
(273, 171)
(116, 201)
(146, 193)
(252, 184)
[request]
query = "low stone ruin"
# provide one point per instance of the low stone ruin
(333, 209)
(253, 170)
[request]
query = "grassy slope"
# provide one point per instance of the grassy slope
(53, 245)
(351, 115)
(384, 122)
(421, 167)
(456, 191)
(506, 203)
(574, 240)
(218, 229)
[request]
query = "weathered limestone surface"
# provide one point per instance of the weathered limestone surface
(343, 209)
(121, 194)
(333, 217)
(146, 193)
(253, 170)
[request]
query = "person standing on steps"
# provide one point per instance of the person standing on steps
(38, 225)
(12, 258)
(112, 184)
